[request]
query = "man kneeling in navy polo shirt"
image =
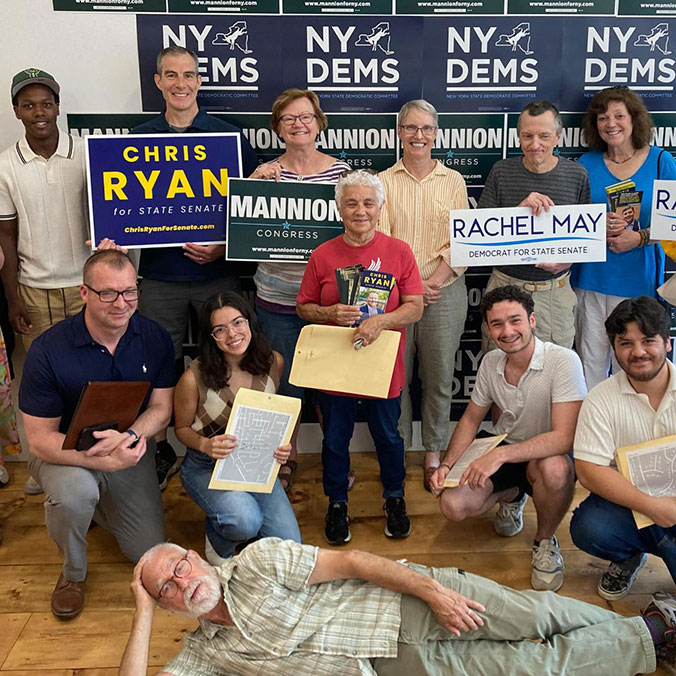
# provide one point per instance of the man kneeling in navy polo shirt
(113, 482)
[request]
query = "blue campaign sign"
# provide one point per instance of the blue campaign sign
(612, 52)
(355, 64)
(490, 64)
(239, 59)
(160, 189)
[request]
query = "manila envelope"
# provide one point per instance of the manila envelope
(325, 359)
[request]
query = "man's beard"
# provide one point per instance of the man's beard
(645, 376)
(208, 598)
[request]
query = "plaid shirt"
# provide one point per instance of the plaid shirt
(285, 626)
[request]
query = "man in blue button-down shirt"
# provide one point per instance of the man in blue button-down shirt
(114, 481)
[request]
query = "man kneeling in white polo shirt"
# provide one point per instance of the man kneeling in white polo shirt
(636, 405)
(538, 388)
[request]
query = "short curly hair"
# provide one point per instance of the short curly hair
(641, 120)
(506, 293)
(363, 177)
(289, 96)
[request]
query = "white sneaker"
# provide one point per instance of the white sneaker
(212, 555)
(509, 519)
(4, 476)
(32, 487)
(547, 562)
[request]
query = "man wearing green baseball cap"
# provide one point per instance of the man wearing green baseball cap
(43, 213)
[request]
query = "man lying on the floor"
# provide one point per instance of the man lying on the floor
(280, 607)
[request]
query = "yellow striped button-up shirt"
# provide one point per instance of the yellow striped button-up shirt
(417, 212)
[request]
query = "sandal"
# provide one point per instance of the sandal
(286, 472)
(427, 475)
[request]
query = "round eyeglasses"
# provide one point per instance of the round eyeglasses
(221, 331)
(169, 588)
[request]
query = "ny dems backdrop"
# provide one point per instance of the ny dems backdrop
(478, 61)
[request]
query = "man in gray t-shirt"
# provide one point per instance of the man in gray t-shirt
(539, 179)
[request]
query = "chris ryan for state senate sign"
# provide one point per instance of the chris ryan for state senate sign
(158, 190)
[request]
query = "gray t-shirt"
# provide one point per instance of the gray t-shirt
(509, 183)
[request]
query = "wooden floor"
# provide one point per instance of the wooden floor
(33, 642)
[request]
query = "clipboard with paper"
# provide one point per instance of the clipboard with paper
(651, 467)
(474, 451)
(262, 422)
(325, 359)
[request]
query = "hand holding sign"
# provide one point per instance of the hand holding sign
(559, 235)
(203, 253)
(537, 203)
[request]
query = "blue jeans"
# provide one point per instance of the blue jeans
(283, 331)
(233, 517)
(608, 530)
(339, 414)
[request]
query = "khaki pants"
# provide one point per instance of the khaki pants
(526, 633)
(47, 307)
(435, 339)
(554, 308)
(127, 503)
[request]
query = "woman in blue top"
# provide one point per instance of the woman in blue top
(617, 127)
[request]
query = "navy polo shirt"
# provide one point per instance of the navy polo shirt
(169, 264)
(64, 358)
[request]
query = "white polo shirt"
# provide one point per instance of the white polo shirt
(615, 415)
(49, 200)
(553, 376)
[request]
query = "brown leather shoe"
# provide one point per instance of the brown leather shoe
(68, 598)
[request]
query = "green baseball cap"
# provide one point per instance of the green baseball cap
(32, 76)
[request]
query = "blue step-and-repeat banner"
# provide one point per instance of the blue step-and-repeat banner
(478, 61)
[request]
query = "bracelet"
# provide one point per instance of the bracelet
(133, 434)
(443, 464)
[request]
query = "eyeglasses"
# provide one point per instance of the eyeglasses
(169, 588)
(305, 118)
(110, 295)
(427, 130)
(221, 331)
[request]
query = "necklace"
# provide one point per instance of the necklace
(610, 159)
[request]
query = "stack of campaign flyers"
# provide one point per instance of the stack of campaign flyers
(368, 289)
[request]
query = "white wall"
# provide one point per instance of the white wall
(92, 56)
(94, 59)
